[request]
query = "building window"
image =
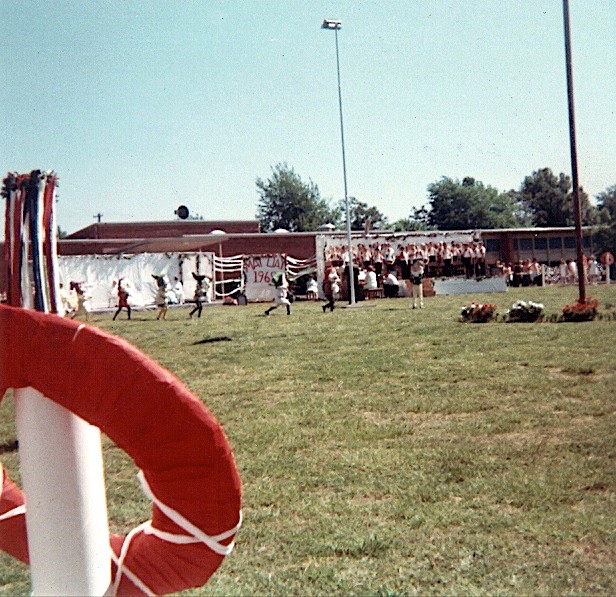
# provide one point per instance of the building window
(541, 243)
(555, 242)
(569, 242)
(492, 245)
(586, 242)
(525, 244)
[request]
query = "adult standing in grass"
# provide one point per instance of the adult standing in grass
(417, 275)
(562, 272)
(331, 285)
(572, 271)
(122, 300)
(594, 274)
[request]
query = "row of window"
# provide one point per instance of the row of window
(537, 243)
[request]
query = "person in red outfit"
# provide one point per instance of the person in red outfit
(122, 299)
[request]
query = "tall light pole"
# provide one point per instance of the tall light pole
(335, 25)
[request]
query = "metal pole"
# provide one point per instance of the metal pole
(574, 169)
(346, 192)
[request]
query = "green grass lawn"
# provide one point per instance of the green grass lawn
(385, 450)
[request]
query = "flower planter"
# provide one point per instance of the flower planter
(478, 313)
(525, 312)
(581, 311)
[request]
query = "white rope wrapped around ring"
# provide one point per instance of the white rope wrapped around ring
(15, 511)
(195, 535)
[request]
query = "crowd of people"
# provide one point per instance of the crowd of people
(530, 272)
(376, 268)
(441, 259)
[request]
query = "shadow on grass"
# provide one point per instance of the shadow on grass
(214, 339)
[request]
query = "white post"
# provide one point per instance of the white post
(62, 474)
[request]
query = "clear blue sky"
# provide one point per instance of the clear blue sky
(143, 106)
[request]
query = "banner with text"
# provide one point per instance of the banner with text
(258, 271)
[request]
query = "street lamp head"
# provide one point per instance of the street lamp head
(331, 24)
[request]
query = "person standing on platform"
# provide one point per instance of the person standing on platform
(468, 257)
(447, 257)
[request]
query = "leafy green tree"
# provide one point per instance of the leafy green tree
(361, 213)
(286, 201)
(604, 239)
(401, 225)
(606, 205)
(604, 235)
(547, 200)
(418, 220)
(455, 205)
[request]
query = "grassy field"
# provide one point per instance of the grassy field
(385, 450)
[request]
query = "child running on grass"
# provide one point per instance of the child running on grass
(280, 283)
(122, 299)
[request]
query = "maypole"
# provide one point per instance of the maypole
(574, 164)
(72, 380)
(60, 454)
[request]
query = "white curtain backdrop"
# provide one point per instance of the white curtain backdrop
(96, 273)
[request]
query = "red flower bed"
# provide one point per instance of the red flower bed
(581, 310)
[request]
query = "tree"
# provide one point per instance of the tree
(606, 205)
(604, 236)
(418, 220)
(361, 213)
(469, 204)
(288, 202)
(548, 200)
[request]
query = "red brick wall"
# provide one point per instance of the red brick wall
(299, 247)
